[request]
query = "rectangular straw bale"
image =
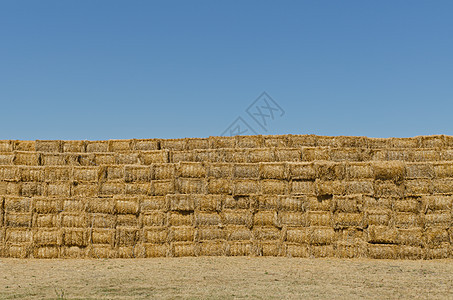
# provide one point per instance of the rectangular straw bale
(409, 252)
(9, 173)
(292, 218)
(54, 159)
(245, 186)
(90, 174)
(404, 155)
(31, 174)
(350, 250)
(181, 218)
(378, 202)
(238, 233)
(75, 204)
(18, 235)
(81, 159)
(155, 250)
(267, 233)
(270, 248)
(377, 217)
(46, 252)
(75, 237)
(207, 218)
(24, 145)
(192, 169)
(162, 187)
(212, 248)
(307, 140)
(359, 170)
(101, 205)
(288, 155)
(273, 171)
(346, 220)
(388, 189)
(403, 142)
(46, 220)
(350, 141)
(219, 142)
(30, 189)
(73, 252)
(298, 235)
(181, 234)
(417, 187)
(326, 141)
(173, 144)
(138, 189)
(238, 202)
(436, 236)
(163, 171)
(120, 145)
(47, 237)
(6, 146)
(18, 219)
(410, 236)
(74, 220)
(235, 155)
(137, 173)
(278, 141)
(246, 170)
(348, 203)
(334, 187)
(408, 204)
(17, 204)
(319, 203)
(146, 144)
(364, 187)
(6, 158)
(297, 250)
(406, 219)
(127, 158)
(319, 218)
(127, 220)
(315, 153)
(382, 251)
(442, 169)
(249, 141)
(19, 251)
(266, 218)
(102, 251)
(389, 170)
(84, 189)
(60, 189)
(11, 188)
(180, 202)
(237, 217)
(197, 143)
(352, 235)
(191, 185)
(99, 220)
(220, 170)
(105, 158)
(437, 202)
(210, 233)
(103, 236)
(426, 155)
(155, 218)
(204, 155)
(182, 249)
(155, 235)
(210, 203)
(179, 156)
(154, 157)
(126, 204)
(111, 188)
(440, 252)
(438, 218)
(274, 187)
(97, 146)
(74, 146)
(442, 186)
(260, 155)
(433, 141)
(321, 235)
(153, 203)
(266, 202)
(126, 236)
(321, 251)
(27, 158)
(419, 170)
(302, 187)
(49, 146)
(349, 154)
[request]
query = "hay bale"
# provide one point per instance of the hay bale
(288, 155)
(273, 171)
(334, 187)
(153, 203)
(156, 250)
(24, 145)
(235, 155)
(212, 248)
(81, 159)
(346, 220)
(156, 218)
(297, 250)
(191, 185)
(180, 218)
(348, 204)
(210, 233)
(10, 188)
(266, 202)
(197, 143)
(238, 233)
(163, 171)
(97, 146)
(406, 219)
(351, 235)
(30, 189)
(120, 145)
(101, 205)
(349, 154)
(84, 189)
(377, 217)
(126, 236)
(389, 170)
(260, 155)
(73, 252)
(105, 158)
(127, 220)
(425, 155)
(46, 252)
(319, 203)
(377, 203)
(146, 144)
(137, 173)
(49, 146)
(321, 235)
(182, 249)
(302, 187)
(209, 203)
(274, 187)
(315, 154)
(403, 142)
(322, 251)
(291, 218)
(17, 204)
(27, 158)
(9, 173)
(266, 218)
(18, 251)
(75, 237)
(302, 140)
(267, 233)
(245, 186)
(382, 235)
(319, 218)
(75, 204)
(408, 204)
(57, 190)
(220, 142)
(239, 202)
(127, 158)
(382, 251)
(102, 251)
(191, 170)
(433, 141)
(388, 189)
(162, 187)
(126, 204)
(89, 174)
(178, 202)
(419, 170)
(442, 186)
(103, 220)
(249, 141)
(155, 235)
(18, 219)
(6, 146)
(278, 141)
(55, 174)
(364, 187)
(47, 237)
(410, 236)
(359, 170)
(138, 189)
(102, 236)
(418, 187)
(74, 146)
(207, 218)
(220, 170)
(54, 159)
(45, 220)
(246, 171)
(436, 202)
(239, 248)
(6, 159)
(350, 250)
(237, 217)
(35, 174)
(154, 157)
(270, 249)
(441, 252)
(181, 156)
(436, 236)
(298, 235)
(327, 170)
(74, 220)
(173, 144)
(111, 188)
(438, 218)
(18, 235)
(442, 169)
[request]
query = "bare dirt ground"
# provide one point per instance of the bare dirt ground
(225, 278)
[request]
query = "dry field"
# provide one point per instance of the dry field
(225, 278)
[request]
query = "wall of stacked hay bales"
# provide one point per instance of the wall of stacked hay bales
(291, 195)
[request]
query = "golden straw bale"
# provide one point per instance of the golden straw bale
(52, 174)
(443, 186)
(265, 218)
(17, 204)
(211, 203)
(350, 250)
(84, 189)
(298, 235)
(204, 155)
(154, 157)
(120, 145)
(197, 143)
(274, 187)
(18, 235)
(349, 154)
(81, 159)
(319, 251)
(382, 234)
(6, 146)
(302, 140)
(346, 220)
(75, 237)
(126, 204)
(408, 204)
(46, 220)
(18, 219)
(220, 170)
(179, 156)
(433, 141)
(97, 146)
(438, 218)
(6, 158)
(73, 252)
(46, 252)
(235, 155)
(126, 236)
(327, 170)
(102, 251)
(152, 203)
(30, 189)
(19, 251)
(77, 220)
(250, 141)
(265, 202)
(24, 145)
(377, 217)
(291, 218)
(239, 202)
(54, 159)
(437, 202)
(137, 173)
(440, 252)
(364, 187)
(417, 187)
(181, 249)
(240, 248)
(237, 217)
(315, 154)
(75, 204)
(273, 171)
(246, 171)
(58, 189)
(49, 146)
(270, 249)
(180, 218)
(91, 174)
(209, 233)
(410, 236)
(321, 235)
(267, 233)
(302, 187)
(103, 220)
(191, 169)
(260, 155)
(297, 250)
(146, 144)
(419, 170)
(180, 202)
(127, 220)
(191, 185)
(155, 250)
(319, 218)
(138, 189)
(245, 186)
(238, 233)
(181, 234)
(378, 202)
(382, 251)
(162, 187)
(442, 169)
(389, 170)
(102, 236)
(22, 158)
(163, 171)
(436, 236)
(154, 218)
(388, 189)
(319, 203)
(359, 170)
(31, 173)
(173, 144)
(219, 142)
(74, 146)
(101, 205)
(155, 235)
(348, 203)
(219, 186)
(111, 188)
(406, 219)
(47, 237)
(334, 187)
(288, 155)
(409, 252)
(212, 248)
(127, 158)
(207, 218)
(279, 141)
(351, 235)
(426, 155)
(403, 142)
(105, 158)
(10, 188)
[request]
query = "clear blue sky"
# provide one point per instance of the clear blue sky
(169, 69)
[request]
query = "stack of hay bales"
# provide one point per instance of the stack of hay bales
(290, 195)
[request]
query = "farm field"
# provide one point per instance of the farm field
(225, 278)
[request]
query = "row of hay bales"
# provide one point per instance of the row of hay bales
(200, 224)
(258, 141)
